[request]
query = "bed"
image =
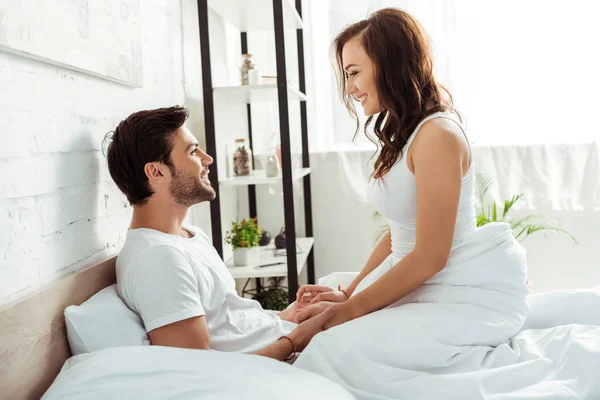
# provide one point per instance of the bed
(33, 340)
(36, 358)
(556, 355)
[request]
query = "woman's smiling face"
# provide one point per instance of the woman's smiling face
(360, 71)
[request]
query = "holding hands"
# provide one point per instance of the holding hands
(306, 330)
(313, 300)
(311, 294)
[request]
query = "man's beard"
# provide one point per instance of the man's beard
(187, 189)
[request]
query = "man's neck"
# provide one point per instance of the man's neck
(160, 216)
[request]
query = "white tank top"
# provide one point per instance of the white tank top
(395, 197)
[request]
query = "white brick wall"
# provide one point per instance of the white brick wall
(59, 209)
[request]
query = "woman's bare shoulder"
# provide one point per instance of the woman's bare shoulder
(441, 129)
(439, 135)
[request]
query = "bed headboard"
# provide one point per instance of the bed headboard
(33, 337)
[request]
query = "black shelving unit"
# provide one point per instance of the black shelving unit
(284, 129)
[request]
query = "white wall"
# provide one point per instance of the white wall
(59, 209)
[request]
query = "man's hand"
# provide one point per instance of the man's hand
(289, 314)
(302, 335)
(311, 294)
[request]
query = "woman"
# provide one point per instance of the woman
(423, 179)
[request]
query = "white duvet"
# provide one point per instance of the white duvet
(162, 373)
(460, 336)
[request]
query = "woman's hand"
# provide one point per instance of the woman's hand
(307, 292)
(312, 294)
(343, 313)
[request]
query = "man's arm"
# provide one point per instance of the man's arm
(192, 333)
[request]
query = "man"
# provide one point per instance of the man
(169, 273)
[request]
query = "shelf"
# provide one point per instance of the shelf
(257, 93)
(267, 257)
(258, 177)
(255, 15)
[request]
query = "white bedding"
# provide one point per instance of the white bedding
(161, 373)
(460, 336)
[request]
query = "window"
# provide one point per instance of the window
(521, 72)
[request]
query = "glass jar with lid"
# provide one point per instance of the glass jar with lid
(242, 158)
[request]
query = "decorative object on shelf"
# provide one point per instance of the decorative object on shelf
(274, 297)
(244, 238)
(245, 256)
(275, 147)
(247, 65)
(283, 252)
(265, 239)
(273, 264)
(242, 158)
(278, 151)
(254, 77)
(272, 167)
(280, 239)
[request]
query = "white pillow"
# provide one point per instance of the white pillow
(563, 307)
(103, 321)
(156, 372)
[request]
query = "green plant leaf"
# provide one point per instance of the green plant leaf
(541, 226)
(518, 223)
(525, 226)
(509, 203)
(565, 232)
(246, 233)
(484, 183)
(482, 219)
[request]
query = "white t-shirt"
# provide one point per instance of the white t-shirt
(167, 278)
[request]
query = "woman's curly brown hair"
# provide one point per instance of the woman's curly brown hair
(407, 90)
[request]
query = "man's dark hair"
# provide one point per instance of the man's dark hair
(143, 137)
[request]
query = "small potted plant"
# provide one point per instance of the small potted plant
(274, 297)
(244, 238)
